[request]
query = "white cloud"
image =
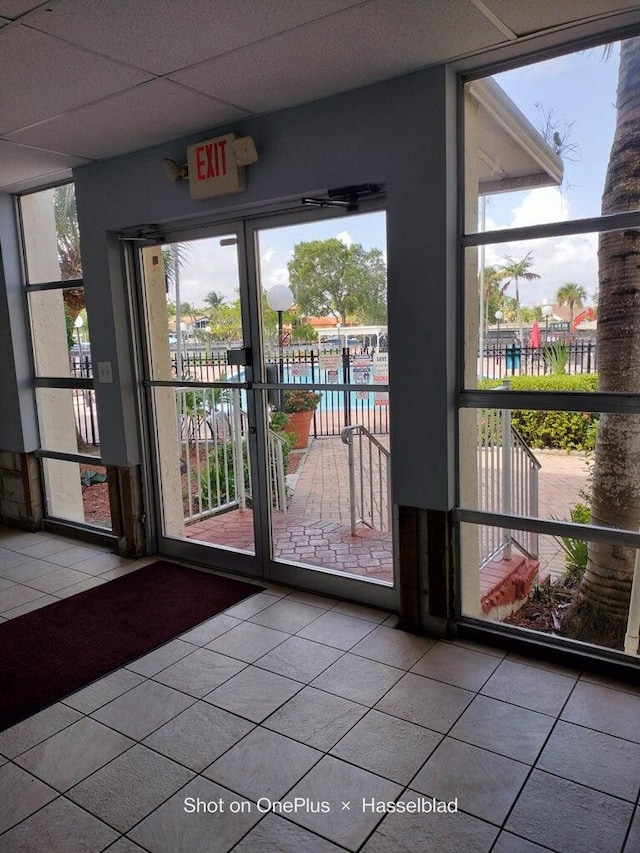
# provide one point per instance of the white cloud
(345, 238)
(268, 255)
(279, 275)
(556, 260)
(542, 205)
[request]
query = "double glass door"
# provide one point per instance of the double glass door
(266, 374)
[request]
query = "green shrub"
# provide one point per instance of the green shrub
(561, 382)
(556, 357)
(560, 430)
(575, 550)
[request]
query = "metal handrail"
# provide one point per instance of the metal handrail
(507, 483)
(277, 478)
(369, 479)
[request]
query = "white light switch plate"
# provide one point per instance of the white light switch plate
(105, 373)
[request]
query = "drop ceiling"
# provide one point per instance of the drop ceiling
(84, 80)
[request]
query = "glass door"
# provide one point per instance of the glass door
(323, 332)
(198, 376)
(268, 407)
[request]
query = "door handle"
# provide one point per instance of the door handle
(252, 430)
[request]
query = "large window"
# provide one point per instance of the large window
(75, 481)
(549, 433)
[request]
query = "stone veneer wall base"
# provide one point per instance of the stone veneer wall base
(21, 503)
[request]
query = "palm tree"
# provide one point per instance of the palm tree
(573, 295)
(214, 299)
(68, 244)
(511, 273)
(175, 257)
(67, 232)
(489, 281)
(602, 609)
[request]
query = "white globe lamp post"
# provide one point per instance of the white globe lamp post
(280, 299)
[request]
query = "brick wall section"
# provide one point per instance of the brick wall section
(505, 585)
(20, 490)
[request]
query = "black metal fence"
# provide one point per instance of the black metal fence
(499, 361)
(84, 404)
(308, 367)
(84, 408)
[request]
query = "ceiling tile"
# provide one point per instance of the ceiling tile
(14, 8)
(18, 163)
(165, 35)
(42, 77)
(348, 50)
(139, 118)
(524, 17)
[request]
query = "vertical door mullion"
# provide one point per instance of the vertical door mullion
(251, 302)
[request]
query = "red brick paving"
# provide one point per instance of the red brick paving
(302, 540)
(316, 530)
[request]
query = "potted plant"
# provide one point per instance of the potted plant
(299, 406)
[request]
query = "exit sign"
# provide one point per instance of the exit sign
(213, 169)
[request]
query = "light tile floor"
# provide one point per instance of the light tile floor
(290, 698)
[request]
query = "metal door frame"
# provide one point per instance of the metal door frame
(261, 565)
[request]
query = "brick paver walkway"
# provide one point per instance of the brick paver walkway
(562, 478)
(316, 528)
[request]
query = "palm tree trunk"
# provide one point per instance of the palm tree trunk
(606, 586)
(518, 314)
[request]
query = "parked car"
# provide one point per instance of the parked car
(84, 349)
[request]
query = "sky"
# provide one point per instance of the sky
(578, 92)
(210, 266)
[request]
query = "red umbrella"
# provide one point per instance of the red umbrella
(534, 339)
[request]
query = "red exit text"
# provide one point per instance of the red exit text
(211, 160)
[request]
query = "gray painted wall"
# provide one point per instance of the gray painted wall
(17, 411)
(398, 132)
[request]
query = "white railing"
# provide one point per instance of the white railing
(213, 447)
(507, 483)
(369, 480)
(277, 474)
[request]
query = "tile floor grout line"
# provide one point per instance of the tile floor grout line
(24, 720)
(635, 810)
(49, 803)
(583, 784)
(447, 734)
(529, 774)
(34, 773)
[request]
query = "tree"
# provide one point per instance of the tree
(303, 332)
(175, 257)
(511, 273)
(68, 244)
(573, 295)
(214, 299)
(67, 232)
(329, 278)
(601, 610)
(226, 323)
(489, 280)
